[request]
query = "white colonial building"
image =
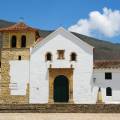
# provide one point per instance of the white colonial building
(61, 69)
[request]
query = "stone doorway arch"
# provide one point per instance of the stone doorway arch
(53, 73)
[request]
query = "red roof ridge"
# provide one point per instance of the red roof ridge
(18, 27)
(107, 64)
(107, 60)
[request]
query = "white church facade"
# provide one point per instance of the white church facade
(61, 69)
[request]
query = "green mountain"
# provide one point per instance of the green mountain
(103, 50)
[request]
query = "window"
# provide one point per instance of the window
(13, 42)
(48, 56)
(23, 41)
(60, 54)
(73, 57)
(108, 91)
(108, 75)
(19, 57)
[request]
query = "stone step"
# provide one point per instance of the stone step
(60, 108)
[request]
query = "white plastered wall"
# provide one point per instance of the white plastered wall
(114, 83)
(19, 76)
(83, 69)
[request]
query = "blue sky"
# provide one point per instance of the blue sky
(51, 14)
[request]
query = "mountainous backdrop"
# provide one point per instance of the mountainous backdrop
(103, 50)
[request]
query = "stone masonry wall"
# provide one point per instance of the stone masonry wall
(6, 42)
(7, 55)
(60, 108)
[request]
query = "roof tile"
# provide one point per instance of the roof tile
(98, 64)
(18, 27)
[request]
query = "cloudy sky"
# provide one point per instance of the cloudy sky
(96, 18)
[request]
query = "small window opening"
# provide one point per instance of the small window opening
(13, 41)
(60, 54)
(108, 75)
(23, 41)
(108, 91)
(19, 57)
(48, 57)
(73, 57)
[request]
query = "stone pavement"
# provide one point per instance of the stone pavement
(59, 116)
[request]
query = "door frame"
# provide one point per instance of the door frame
(53, 73)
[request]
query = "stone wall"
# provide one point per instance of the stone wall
(60, 108)
(6, 42)
(7, 55)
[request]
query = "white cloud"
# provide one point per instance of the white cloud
(106, 23)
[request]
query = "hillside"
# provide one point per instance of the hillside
(4, 23)
(103, 50)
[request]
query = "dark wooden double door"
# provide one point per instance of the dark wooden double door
(61, 89)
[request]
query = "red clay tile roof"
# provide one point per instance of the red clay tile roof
(98, 64)
(18, 27)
